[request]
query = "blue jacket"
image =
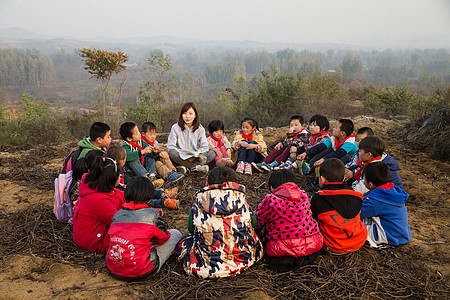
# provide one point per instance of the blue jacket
(387, 202)
(393, 168)
(347, 147)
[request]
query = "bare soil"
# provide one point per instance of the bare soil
(40, 261)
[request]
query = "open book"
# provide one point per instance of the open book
(185, 154)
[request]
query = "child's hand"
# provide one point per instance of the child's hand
(252, 146)
(243, 144)
(191, 159)
(291, 129)
(278, 146)
(228, 153)
(348, 174)
(218, 153)
(302, 156)
(156, 148)
(147, 150)
(319, 162)
(164, 155)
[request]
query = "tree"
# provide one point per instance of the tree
(102, 65)
(351, 67)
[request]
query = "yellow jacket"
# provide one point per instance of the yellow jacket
(257, 137)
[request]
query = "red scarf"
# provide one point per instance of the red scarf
(313, 140)
(343, 141)
(134, 145)
(247, 137)
(219, 141)
(359, 172)
(147, 141)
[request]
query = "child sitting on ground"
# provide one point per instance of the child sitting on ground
(139, 242)
(219, 144)
(296, 137)
(338, 208)
(99, 139)
(383, 210)
(249, 145)
(292, 235)
(352, 167)
(338, 146)
(99, 201)
(140, 160)
(163, 164)
(161, 198)
(371, 149)
(222, 241)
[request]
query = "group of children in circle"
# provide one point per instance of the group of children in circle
(360, 196)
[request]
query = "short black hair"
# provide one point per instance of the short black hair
(116, 152)
(103, 175)
(322, 121)
(215, 125)
(221, 174)
(365, 130)
(347, 126)
(377, 173)
(297, 117)
(332, 170)
(126, 130)
(250, 121)
(98, 130)
(372, 144)
(139, 190)
(280, 177)
(148, 126)
(80, 168)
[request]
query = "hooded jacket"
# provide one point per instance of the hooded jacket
(135, 231)
(87, 146)
(224, 242)
(337, 209)
(386, 203)
(92, 217)
(287, 220)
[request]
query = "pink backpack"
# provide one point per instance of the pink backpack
(63, 205)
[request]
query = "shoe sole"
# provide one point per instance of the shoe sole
(265, 168)
(256, 167)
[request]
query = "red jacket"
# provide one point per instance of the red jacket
(92, 217)
(135, 231)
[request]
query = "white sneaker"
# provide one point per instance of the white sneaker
(200, 168)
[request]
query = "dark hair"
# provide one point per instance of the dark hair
(322, 121)
(139, 190)
(185, 108)
(219, 175)
(333, 170)
(372, 144)
(98, 130)
(80, 168)
(126, 130)
(280, 177)
(147, 126)
(215, 125)
(365, 130)
(91, 156)
(377, 173)
(297, 117)
(116, 152)
(103, 175)
(347, 126)
(250, 121)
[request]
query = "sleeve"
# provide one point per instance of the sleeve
(316, 149)
(104, 208)
(226, 142)
(202, 140)
(254, 218)
(210, 143)
(336, 154)
(314, 208)
(368, 209)
(161, 234)
(190, 223)
(349, 147)
(263, 213)
(172, 139)
(237, 138)
(261, 143)
(131, 155)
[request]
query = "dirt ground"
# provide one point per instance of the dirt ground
(40, 261)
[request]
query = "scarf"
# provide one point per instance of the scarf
(247, 137)
(343, 141)
(134, 145)
(147, 141)
(358, 173)
(313, 140)
(219, 141)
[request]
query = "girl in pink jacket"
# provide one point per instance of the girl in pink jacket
(292, 237)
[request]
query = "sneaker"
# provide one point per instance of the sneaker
(200, 168)
(171, 203)
(171, 193)
(305, 168)
(181, 169)
(157, 183)
(258, 166)
(229, 163)
(269, 167)
(240, 167)
(248, 169)
(174, 177)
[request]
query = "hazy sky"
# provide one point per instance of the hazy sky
(387, 23)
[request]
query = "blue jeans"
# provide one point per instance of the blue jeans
(135, 168)
(248, 155)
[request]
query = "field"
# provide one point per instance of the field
(40, 261)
